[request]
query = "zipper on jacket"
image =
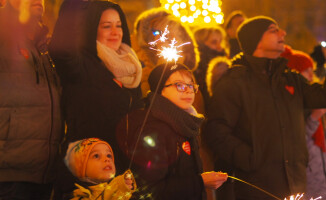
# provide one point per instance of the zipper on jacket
(36, 66)
(51, 129)
(270, 68)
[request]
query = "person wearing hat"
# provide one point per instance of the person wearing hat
(31, 123)
(231, 25)
(256, 116)
(91, 161)
(166, 160)
(315, 136)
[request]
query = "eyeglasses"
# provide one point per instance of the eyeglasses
(182, 87)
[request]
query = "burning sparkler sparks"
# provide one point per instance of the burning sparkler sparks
(299, 196)
(169, 52)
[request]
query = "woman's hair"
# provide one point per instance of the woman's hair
(210, 78)
(202, 34)
(156, 20)
(93, 15)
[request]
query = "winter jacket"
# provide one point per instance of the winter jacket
(116, 189)
(256, 124)
(30, 117)
(166, 161)
(316, 170)
(206, 55)
(93, 101)
(234, 47)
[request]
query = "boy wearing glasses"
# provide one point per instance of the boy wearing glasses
(166, 160)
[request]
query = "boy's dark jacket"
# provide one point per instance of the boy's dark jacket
(256, 123)
(161, 166)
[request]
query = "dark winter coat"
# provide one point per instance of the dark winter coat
(234, 47)
(206, 55)
(161, 165)
(256, 123)
(93, 102)
(30, 118)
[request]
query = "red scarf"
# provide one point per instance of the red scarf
(319, 136)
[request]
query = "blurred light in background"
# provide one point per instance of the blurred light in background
(323, 44)
(149, 141)
(195, 12)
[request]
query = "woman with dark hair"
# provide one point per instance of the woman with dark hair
(99, 71)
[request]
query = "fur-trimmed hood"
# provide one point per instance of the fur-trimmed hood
(157, 19)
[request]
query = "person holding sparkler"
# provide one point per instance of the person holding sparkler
(99, 71)
(163, 148)
(91, 161)
(256, 115)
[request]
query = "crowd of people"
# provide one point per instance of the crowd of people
(92, 112)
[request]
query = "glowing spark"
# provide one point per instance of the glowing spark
(169, 52)
(299, 196)
(163, 37)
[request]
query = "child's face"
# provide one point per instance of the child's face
(100, 165)
(185, 99)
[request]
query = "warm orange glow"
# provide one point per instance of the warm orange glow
(198, 11)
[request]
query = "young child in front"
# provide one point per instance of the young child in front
(91, 160)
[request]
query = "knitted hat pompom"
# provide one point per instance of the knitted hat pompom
(297, 60)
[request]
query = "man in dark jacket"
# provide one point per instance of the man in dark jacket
(30, 122)
(255, 120)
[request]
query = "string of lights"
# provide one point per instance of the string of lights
(196, 11)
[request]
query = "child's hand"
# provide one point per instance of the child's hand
(214, 180)
(128, 181)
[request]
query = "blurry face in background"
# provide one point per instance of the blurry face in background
(109, 31)
(32, 8)
(214, 41)
(3, 3)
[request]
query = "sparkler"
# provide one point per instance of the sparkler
(169, 52)
(293, 197)
(252, 185)
(299, 196)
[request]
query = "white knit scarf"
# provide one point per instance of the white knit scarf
(124, 65)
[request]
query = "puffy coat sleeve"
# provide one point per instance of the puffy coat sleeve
(314, 95)
(224, 111)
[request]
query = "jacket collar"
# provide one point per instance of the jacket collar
(182, 122)
(261, 65)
